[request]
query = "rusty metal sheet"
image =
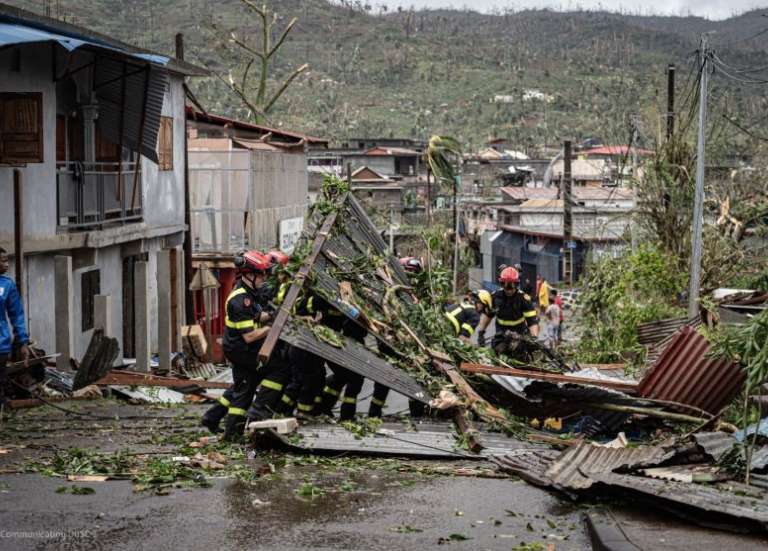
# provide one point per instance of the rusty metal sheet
(728, 501)
(627, 387)
(655, 331)
(575, 467)
(684, 374)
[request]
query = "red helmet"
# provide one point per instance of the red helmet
(249, 262)
(279, 257)
(509, 275)
(411, 264)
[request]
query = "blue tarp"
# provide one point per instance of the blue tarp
(12, 34)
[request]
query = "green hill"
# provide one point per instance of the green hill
(410, 74)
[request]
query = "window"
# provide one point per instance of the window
(165, 144)
(90, 286)
(21, 127)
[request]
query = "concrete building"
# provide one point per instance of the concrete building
(93, 132)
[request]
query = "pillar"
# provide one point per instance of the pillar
(164, 309)
(141, 315)
(63, 290)
(102, 314)
(90, 114)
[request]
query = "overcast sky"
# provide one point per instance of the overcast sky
(713, 9)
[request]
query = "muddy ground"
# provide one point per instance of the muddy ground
(274, 500)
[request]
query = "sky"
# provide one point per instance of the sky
(712, 9)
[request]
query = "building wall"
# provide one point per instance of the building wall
(384, 165)
(38, 179)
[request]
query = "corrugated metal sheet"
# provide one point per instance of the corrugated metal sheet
(356, 358)
(529, 464)
(735, 502)
(714, 444)
(126, 111)
(574, 468)
(685, 375)
(655, 331)
(425, 440)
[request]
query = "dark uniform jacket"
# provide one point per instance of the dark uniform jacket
(463, 317)
(242, 314)
(332, 316)
(513, 313)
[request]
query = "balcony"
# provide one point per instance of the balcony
(98, 195)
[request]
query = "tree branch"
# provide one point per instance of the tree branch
(285, 85)
(282, 38)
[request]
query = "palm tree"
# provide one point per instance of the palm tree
(443, 156)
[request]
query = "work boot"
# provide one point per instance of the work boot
(348, 411)
(211, 424)
(235, 428)
(375, 411)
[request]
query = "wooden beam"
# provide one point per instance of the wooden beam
(18, 232)
(475, 402)
(628, 388)
(286, 307)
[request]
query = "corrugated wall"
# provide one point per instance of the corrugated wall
(279, 190)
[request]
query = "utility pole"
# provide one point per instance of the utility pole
(698, 205)
(567, 191)
(189, 305)
(670, 101)
(456, 184)
(633, 145)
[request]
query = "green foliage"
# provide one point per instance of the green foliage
(747, 344)
(364, 427)
(619, 293)
(442, 155)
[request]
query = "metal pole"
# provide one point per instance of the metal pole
(670, 101)
(567, 214)
(456, 236)
(698, 204)
(632, 225)
(391, 230)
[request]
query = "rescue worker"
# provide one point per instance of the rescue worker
(244, 333)
(513, 311)
(464, 318)
(342, 378)
(11, 309)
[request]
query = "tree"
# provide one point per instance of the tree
(260, 56)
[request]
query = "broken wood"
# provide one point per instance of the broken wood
(476, 403)
(286, 307)
(647, 411)
(132, 378)
(628, 387)
(465, 428)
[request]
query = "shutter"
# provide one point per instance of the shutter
(21, 127)
(165, 144)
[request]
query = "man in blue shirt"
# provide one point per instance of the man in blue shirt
(11, 308)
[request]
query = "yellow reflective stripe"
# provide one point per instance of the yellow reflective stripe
(239, 324)
(468, 328)
(508, 323)
(305, 407)
(319, 399)
(311, 305)
(286, 400)
(281, 294)
(271, 384)
(234, 293)
(224, 402)
(350, 399)
(454, 321)
(455, 312)
(378, 402)
(331, 391)
(530, 314)
(240, 412)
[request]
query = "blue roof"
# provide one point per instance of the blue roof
(12, 34)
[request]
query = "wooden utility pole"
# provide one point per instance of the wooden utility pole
(566, 192)
(188, 272)
(698, 205)
(670, 101)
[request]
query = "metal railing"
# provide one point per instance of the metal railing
(95, 195)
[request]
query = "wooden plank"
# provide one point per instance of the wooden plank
(628, 388)
(128, 378)
(286, 308)
(483, 409)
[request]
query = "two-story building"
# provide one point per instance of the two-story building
(92, 177)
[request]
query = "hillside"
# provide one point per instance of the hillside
(415, 73)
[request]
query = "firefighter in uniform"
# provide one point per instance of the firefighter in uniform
(513, 310)
(464, 318)
(244, 332)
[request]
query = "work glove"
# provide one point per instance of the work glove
(481, 338)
